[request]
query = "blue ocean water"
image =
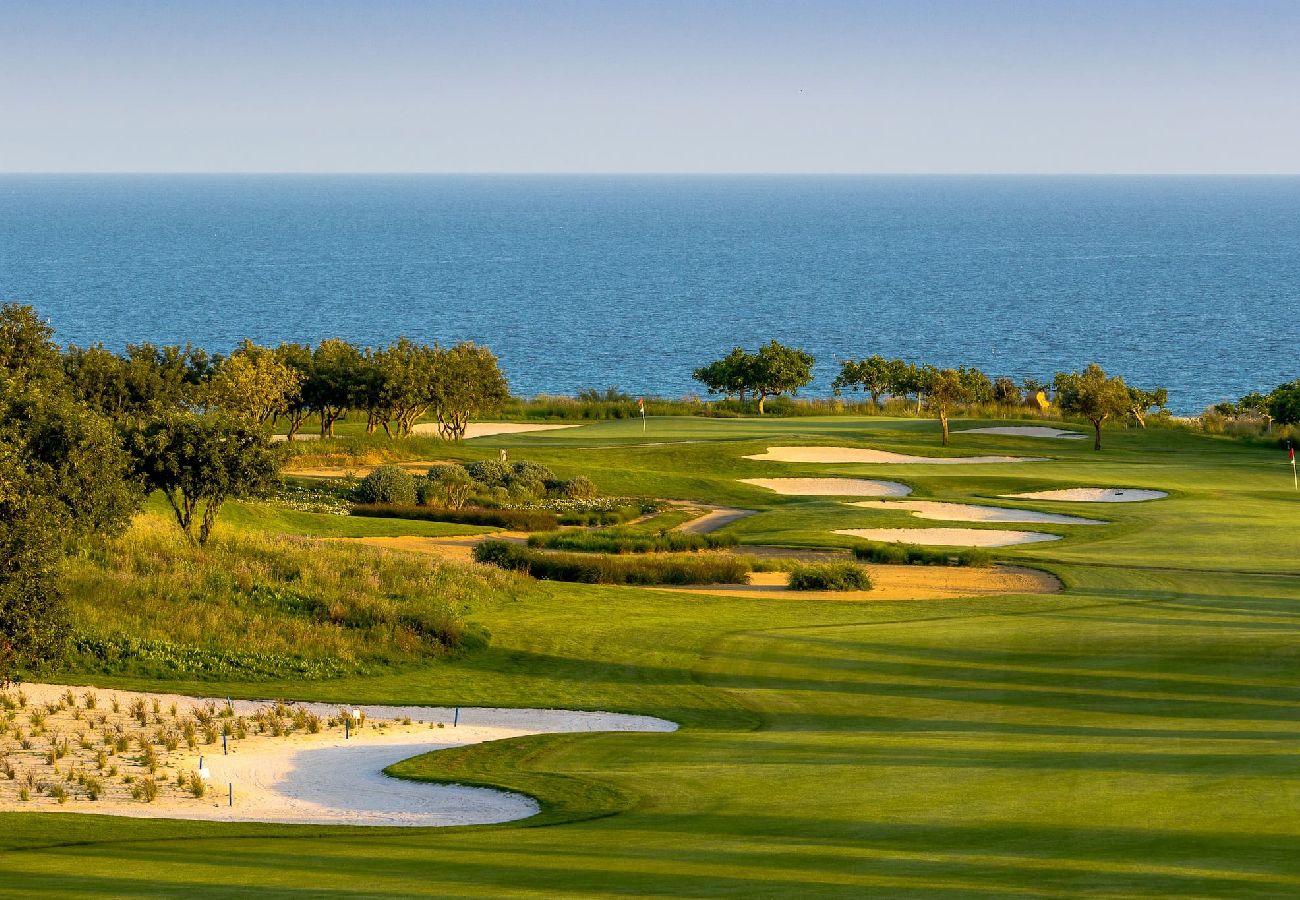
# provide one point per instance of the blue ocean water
(1190, 283)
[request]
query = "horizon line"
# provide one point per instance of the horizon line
(641, 174)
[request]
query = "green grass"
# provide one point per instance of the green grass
(1136, 735)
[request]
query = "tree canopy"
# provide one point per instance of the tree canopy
(1093, 395)
(775, 369)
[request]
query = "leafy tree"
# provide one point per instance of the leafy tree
(1284, 403)
(33, 617)
(872, 374)
(1006, 393)
(98, 379)
(449, 486)
(905, 380)
(254, 384)
(729, 376)
(778, 369)
(944, 390)
(467, 384)
(27, 347)
(163, 379)
(1141, 402)
(405, 386)
(1093, 395)
(297, 358)
(336, 371)
(200, 461)
(979, 389)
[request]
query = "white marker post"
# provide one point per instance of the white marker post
(1290, 451)
(640, 402)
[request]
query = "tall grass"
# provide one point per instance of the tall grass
(834, 576)
(626, 540)
(594, 569)
(521, 519)
(263, 606)
(913, 555)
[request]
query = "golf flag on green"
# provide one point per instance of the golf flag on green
(640, 405)
(1290, 452)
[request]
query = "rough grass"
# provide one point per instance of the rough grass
(518, 519)
(597, 569)
(914, 555)
(619, 540)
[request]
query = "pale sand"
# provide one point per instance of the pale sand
(488, 429)
(831, 487)
(966, 512)
(949, 537)
(1040, 431)
(361, 470)
(897, 583)
(1092, 495)
(323, 778)
(716, 517)
(862, 455)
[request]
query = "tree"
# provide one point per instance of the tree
(1092, 395)
(449, 486)
(200, 461)
(1006, 393)
(98, 379)
(777, 369)
(467, 384)
(27, 345)
(336, 370)
(33, 616)
(163, 379)
(944, 390)
(1141, 402)
(979, 389)
(729, 376)
(905, 380)
(872, 374)
(405, 384)
(297, 358)
(254, 384)
(1284, 403)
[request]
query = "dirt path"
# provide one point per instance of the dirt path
(716, 517)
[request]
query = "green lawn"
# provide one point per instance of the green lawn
(1137, 735)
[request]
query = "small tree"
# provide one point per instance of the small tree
(467, 383)
(336, 371)
(729, 376)
(253, 384)
(778, 369)
(1142, 402)
(297, 358)
(1092, 395)
(905, 379)
(199, 462)
(1284, 403)
(1006, 393)
(872, 375)
(449, 486)
(944, 390)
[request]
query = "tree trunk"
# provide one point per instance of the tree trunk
(943, 425)
(762, 398)
(1096, 424)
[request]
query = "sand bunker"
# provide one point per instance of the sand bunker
(488, 429)
(949, 537)
(1039, 431)
(965, 512)
(863, 455)
(896, 583)
(303, 778)
(831, 487)
(1093, 495)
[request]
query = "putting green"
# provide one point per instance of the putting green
(1136, 735)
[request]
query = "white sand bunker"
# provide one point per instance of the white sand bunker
(966, 512)
(487, 429)
(1039, 431)
(949, 537)
(302, 777)
(1093, 495)
(831, 487)
(864, 455)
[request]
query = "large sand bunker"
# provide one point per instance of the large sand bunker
(949, 537)
(1093, 495)
(897, 583)
(864, 455)
(967, 512)
(488, 429)
(1039, 431)
(304, 778)
(831, 487)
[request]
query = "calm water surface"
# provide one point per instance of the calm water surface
(1191, 283)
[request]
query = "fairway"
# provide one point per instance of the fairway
(1136, 734)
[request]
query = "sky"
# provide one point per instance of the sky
(875, 86)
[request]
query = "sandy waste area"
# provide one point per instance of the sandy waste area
(1092, 495)
(93, 749)
(863, 455)
(488, 429)
(831, 487)
(896, 583)
(1038, 431)
(950, 537)
(969, 512)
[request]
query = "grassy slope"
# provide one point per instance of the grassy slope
(1134, 736)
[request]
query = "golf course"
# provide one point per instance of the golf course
(1134, 733)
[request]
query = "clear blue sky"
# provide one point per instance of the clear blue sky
(651, 86)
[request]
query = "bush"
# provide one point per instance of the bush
(616, 515)
(912, 555)
(519, 519)
(592, 569)
(617, 540)
(386, 484)
(829, 577)
(447, 486)
(578, 488)
(489, 472)
(529, 479)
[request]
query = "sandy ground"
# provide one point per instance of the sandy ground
(318, 778)
(361, 470)
(968, 512)
(487, 429)
(1040, 431)
(831, 487)
(897, 583)
(1093, 495)
(715, 518)
(863, 455)
(949, 537)
(300, 436)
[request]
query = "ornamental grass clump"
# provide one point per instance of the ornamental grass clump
(601, 569)
(836, 576)
(623, 540)
(145, 790)
(913, 555)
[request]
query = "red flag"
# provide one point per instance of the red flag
(1290, 451)
(640, 404)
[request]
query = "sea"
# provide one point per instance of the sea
(1190, 283)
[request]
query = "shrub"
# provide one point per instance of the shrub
(599, 569)
(386, 484)
(145, 790)
(489, 472)
(829, 577)
(529, 479)
(578, 488)
(626, 541)
(912, 555)
(446, 486)
(521, 519)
